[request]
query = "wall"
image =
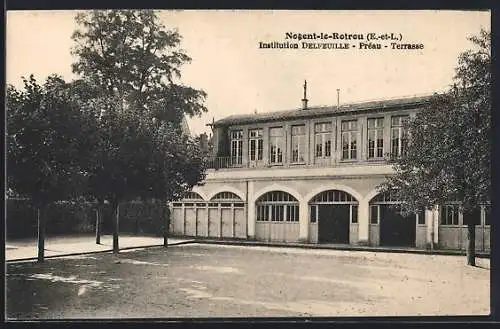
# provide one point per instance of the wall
(221, 138)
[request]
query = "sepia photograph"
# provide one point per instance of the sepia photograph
(194, 164)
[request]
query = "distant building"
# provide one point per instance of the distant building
(310, 175)
(184, 126)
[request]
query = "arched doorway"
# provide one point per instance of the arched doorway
(226, 216)
(277, 217)
(333, 211)
(184, 214)
(395, 229)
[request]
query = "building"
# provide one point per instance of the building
(311, 175)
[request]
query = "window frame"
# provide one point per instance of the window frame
(279, 155)
(446, 219)
(276, 207)
(236, 153)
(402, 132)
(256, 135)
(352, 139)
(298, 138)
(323, 139)
(377, 130)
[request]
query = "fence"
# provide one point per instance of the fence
(65, 218)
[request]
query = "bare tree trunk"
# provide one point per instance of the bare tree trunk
(116, 226)
(98, 223)
(471, 244)
(41, 234)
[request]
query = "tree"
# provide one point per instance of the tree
(47, 141)
(448, 155)
(130, 67)
(129, 53)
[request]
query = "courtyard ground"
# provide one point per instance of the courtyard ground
(77, 244)
(198, 280)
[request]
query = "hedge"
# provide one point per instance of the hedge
(66, 218)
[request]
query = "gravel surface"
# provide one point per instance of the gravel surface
(236, 281)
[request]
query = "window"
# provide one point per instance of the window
(313, 213)
(375, 138)
(399, 135)
(487, 211)
(193, 196)
(226, 200)
(236, 147)
(256, 144)
(354, 214)
(421, 217)
(374, 214)
(333, 196)
(449, 214)
(298, 143)
(276, 145)
(349, 138)
(292, 214)
(225, 196)
(262, 213)
(277, 206)
(323, 139)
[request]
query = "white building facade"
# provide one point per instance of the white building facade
(310, 175)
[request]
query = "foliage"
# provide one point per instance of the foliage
(448, 156)
(47, 141)
(129, 63)
(138, 157)
(129, 53)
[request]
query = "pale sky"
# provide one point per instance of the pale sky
(240, 78)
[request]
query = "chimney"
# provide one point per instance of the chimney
(338, 98)
(304, 100)
(204, 142)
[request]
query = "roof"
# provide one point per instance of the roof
(184, 126)
(319, 111)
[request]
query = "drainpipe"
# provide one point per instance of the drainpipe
(246, 205)
(432, 231)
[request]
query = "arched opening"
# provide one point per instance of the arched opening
(223, 216)
(332, 212)
(184, 214)
(226, 216)
(193, 196)
(277, 217)
(395, 229)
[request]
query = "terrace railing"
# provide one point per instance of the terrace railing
(225, 162)
(238, 162)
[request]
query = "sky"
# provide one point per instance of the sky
(241, 78)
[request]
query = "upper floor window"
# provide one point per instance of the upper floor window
(449, 214)
(399, 135)
(276, 145)
(236, 146)
(255, 144)
(323, 139)
(349, 139)
(298, 143)
(375, 138)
